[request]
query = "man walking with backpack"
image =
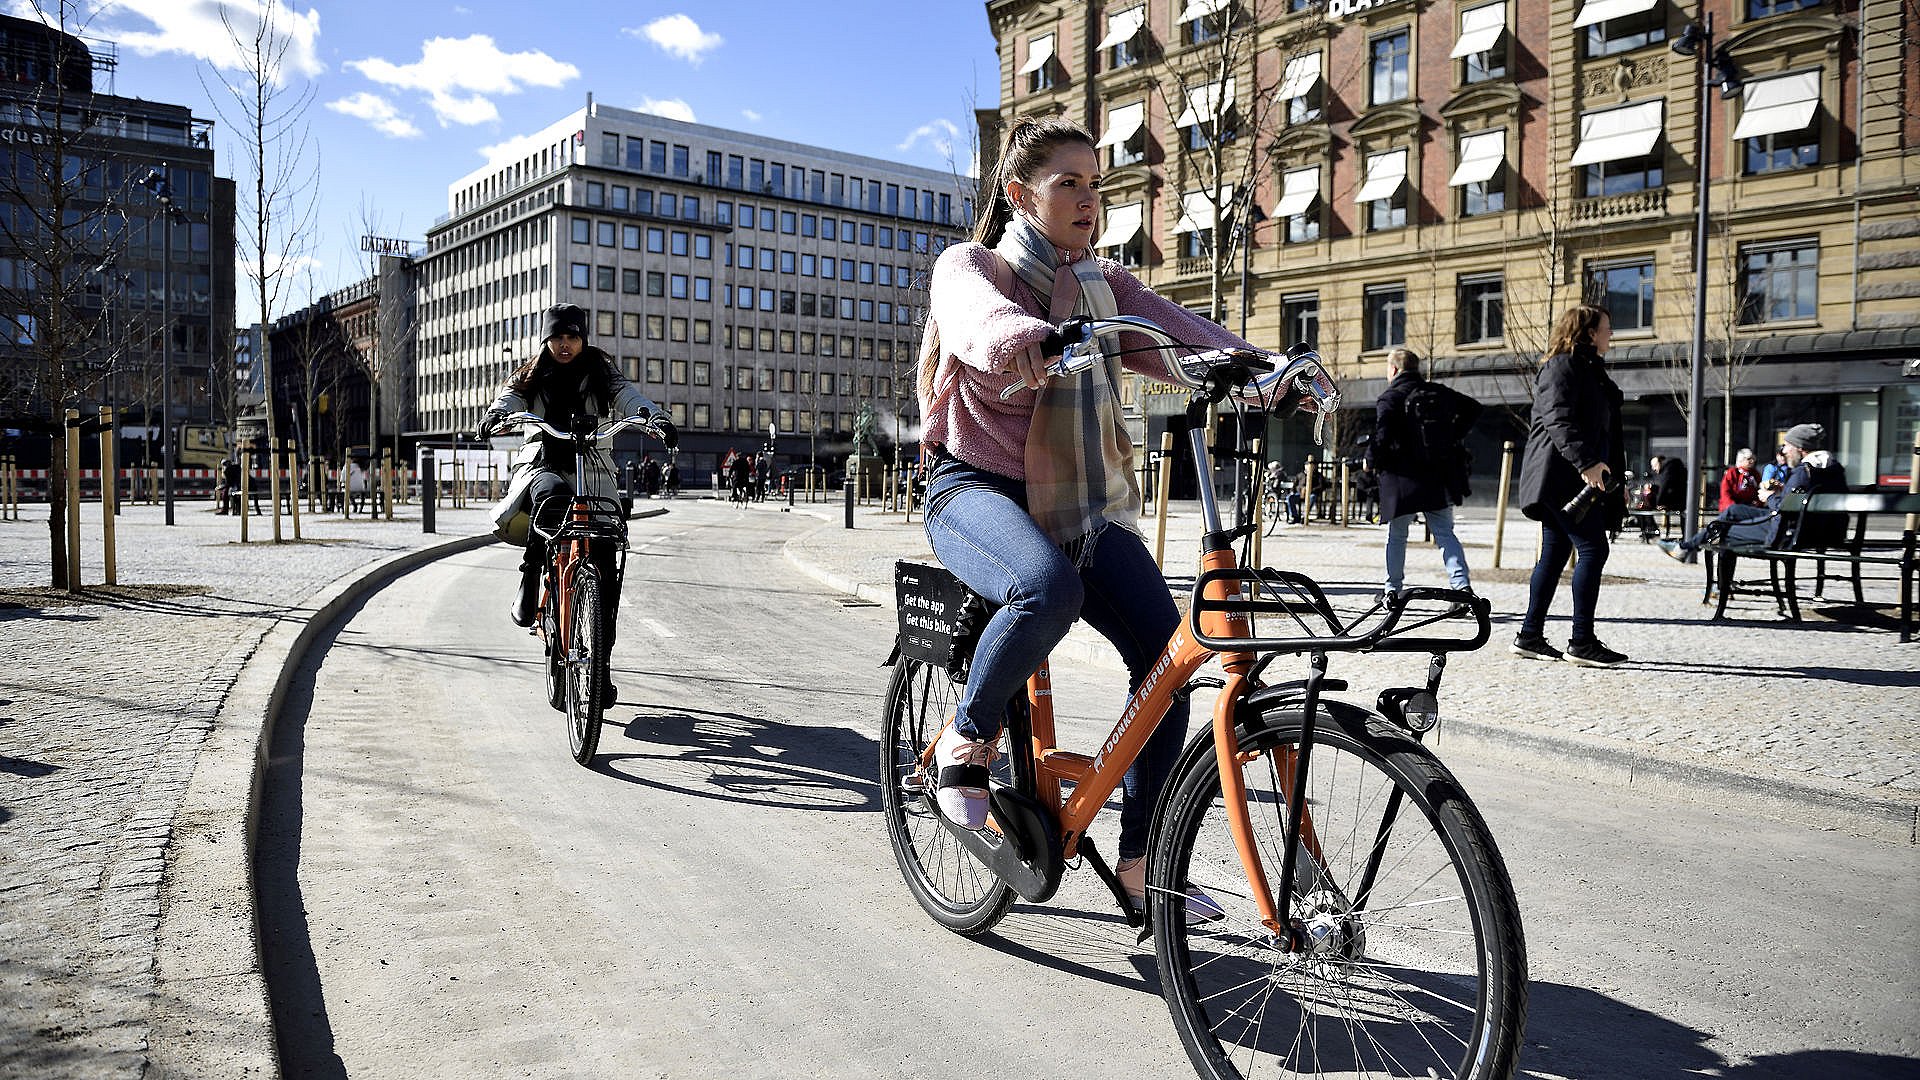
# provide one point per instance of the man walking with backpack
(1419, 454)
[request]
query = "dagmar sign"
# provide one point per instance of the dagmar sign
(385, 245)
(1340, 9)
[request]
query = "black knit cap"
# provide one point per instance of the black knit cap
(566, 319)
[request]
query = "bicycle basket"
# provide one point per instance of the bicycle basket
(940, 618)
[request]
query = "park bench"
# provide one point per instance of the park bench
(1822, 529)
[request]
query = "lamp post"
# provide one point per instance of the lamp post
(156, 182)
(1715, 66)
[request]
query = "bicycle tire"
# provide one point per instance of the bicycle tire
(945, 878)
(1275, 511)
(587, 666)
(1428, 977)
(555, 667)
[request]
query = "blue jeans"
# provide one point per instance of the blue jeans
(980, 529)
(1745, 525)
(1440, 523)
(1560, 536)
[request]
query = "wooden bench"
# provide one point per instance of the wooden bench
(1815, 528)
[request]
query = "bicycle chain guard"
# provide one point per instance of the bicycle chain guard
(1025, 853)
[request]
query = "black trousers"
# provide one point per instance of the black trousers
(546, 484)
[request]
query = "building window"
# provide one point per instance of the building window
(1389, 66)
(1482, 308)
(677, 244)
(1627, 174)
(656, 370)
(1303, 90)
(606, 232)
(1126, 134)
(657, 328)
(1760, 9)
(677, 329)
(1300, 319)
(702, 332)
(1481, 172)
(702, 373)
(1384, 193)
(1299, 204)
(1635, 30)
(703, 288)
(1123, 240)
(669, 204)
(1196, 244)
(656, 283)
(702, 246)
(603, 324)
(603, 278)
(1481, 45)
(1122, 43)
(1210, 22)
(582, 230)
(702, 416)
(677, 372)
(677, 286)
(1386, 315)
(1779, 122)
(630, 324)
(1625, 288)
(582, 276)
(1779, 282)
(656, 241)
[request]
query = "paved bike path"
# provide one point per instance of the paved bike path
(1812, 721)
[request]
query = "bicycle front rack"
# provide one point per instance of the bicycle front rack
(1392, 625)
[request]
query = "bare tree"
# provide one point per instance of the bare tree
(61, 228)
(269, 115)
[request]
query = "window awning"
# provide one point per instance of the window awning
(1123, 224)
(1303, 72)
(1480, 30)
(1782, 103)
(1385, 173)
(1122, 122)
(1298, 190)
(1039, 51)
(1200, 9)
(1594, 11)
(1123, 27)
(1196, 210)
(1204, 103)
(1613, 134)
(1480, 156)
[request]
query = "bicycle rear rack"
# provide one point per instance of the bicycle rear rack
(1391, 625)
(606, 519)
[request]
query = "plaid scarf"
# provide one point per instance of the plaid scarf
(1079, 457)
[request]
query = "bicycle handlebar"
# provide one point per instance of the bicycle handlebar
(647, 422)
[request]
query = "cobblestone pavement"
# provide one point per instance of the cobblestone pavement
(1825, 706)
(103, 706)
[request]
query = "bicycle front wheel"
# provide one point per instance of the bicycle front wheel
(944, 877)
(586, 664)
(1413, 963)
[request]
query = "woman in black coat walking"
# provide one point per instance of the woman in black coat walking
(1573, 446)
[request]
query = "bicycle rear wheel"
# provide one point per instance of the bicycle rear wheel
(958, 892)
(1414, 963)
(556, 666)
(586, 666)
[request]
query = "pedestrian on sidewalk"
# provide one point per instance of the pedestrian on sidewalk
(1033, 500)
(1574, 449)
(1419, 453)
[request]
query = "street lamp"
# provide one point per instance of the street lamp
(1715, 67)
(155, 181)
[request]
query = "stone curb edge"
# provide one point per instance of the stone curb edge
(211, 1014)
(1569, 756)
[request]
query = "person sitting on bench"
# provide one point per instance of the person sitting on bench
(1812, 470)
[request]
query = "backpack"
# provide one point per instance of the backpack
(1437, 420)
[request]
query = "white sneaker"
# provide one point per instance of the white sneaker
(960, 771)
(1132, 873)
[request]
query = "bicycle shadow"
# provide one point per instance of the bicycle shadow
(750, 760)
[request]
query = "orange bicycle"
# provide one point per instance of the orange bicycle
(588, 533)
(1370, 926)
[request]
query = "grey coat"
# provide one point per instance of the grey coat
(600, 482)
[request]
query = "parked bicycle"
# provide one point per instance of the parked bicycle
(1362, 921)
(583, 534)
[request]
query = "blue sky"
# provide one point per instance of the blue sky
(407, 95)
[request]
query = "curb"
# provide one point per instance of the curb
(211, 1014)
(1573, 757)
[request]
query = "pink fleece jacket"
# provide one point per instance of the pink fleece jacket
(985, 329)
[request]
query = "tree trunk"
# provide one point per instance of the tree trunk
(57, 509)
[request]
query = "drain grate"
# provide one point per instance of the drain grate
(853, 601)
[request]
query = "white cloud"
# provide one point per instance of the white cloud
(679, 36)
(196, 29)
(752, 117)
(377, 111)
(939, 133)
(510, 149)
(460, 75)
(671, 108)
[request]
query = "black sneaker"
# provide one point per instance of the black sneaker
(1593, 654)
(1533, 647)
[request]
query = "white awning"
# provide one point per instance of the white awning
(1298, 190)
(1301, 75)
(1782, 103)
(1200, 9)
(1480, 30)
(1122, 122)
(1601, 10)
(1123, 27)
(1385, 173)
(1039, 51)
(1204, 103)
(1613, 134)
(1123, 224)
(1480, 156)
(1196, 210)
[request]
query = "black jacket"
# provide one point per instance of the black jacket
(1670, 487)
(1576, 424)
(1412, 482)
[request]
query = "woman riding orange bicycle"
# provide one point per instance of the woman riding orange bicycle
(1032, 500)
(568, 378)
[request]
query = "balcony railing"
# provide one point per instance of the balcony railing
(1633, 204)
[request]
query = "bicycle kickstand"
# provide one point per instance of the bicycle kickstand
(1135, 919)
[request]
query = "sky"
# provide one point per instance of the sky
(406, 96)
